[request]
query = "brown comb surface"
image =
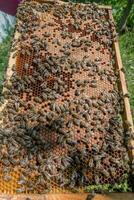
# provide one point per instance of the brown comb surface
(61, 127)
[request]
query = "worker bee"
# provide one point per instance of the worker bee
(14, 67)
(78, 108)
(61, 89)
(77, 26)
(22, 181)
(93, 85)
(14, 55)
(95, 104)
(7, 177)
(37, 99)
(77, 160)
(67, 53)
(123, 70)
(129, 134)
(86, 116)
(115, 161)
(83, 124)
(113, 171)
(32, 79)
(76, 43)
(16, 106)
(98, 165)
(41, 119)
(11, 117)
(62, 108)
(128, 124)
(71, 142)
(89, 102)
(20, 190)
(96, 179)
(103, 110)
(76, 122)
(86, 106)
(74, 115)
(69, 124)
(95, 148)
(105, 172)
(26, 66)
(101, 129)
(12, 111)
(100, 103)
(56, 107)
(77, 92)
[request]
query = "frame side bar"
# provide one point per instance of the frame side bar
(123, 84)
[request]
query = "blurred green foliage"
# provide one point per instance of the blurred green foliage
(4, 52)
(123, 186)
(127, 51)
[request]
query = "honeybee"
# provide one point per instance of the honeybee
(105, 172)
(37, 99)
(113, 171)
(7, 177)
(20, 190)
(96, 179)
(91, 163)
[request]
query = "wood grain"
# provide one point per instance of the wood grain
(123, 85)
(110, 196)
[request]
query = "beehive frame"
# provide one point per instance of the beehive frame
(127, 114)
(123, 85)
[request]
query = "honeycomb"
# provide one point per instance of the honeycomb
(61, 127)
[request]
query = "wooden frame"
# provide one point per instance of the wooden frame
(110, 196)
(127, 116)
(123, 84)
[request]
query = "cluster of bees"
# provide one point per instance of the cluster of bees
(62, 121)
